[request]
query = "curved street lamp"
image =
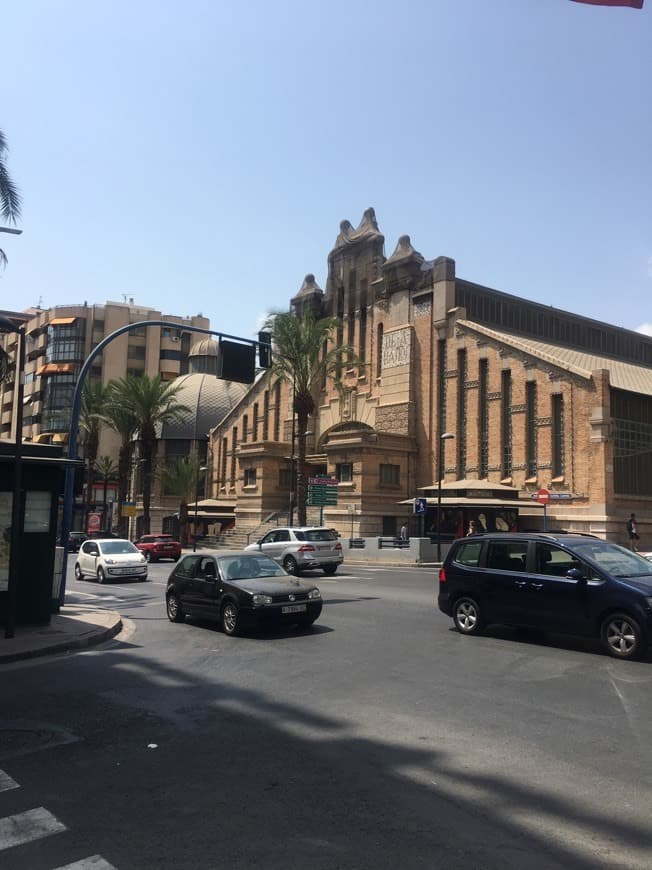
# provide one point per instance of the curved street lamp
(440, 473)
(263, 345)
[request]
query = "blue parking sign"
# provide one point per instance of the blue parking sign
(420, 505)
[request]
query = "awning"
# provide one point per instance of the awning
(60, 438)
(55, 369)
(62, 321)
(203, 515)
(463, 501)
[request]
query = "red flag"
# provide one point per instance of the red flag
(635, 4)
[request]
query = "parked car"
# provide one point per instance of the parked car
(75, 540)
(110, 559)
(565, 583)
(156, 547)
(301, 549)
(239, 590)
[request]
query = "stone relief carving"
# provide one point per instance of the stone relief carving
(396, 348)
(422, 307)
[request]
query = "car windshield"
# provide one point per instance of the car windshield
(116, 547)
(316, 535)
(249, 566)
(613, 559)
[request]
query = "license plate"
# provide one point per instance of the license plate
(293, 608)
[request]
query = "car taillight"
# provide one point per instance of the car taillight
(442, 575)
(338, 546)
(306, 548)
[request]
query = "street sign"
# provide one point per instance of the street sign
(129, 509)
(322, 491)
(420, 505)
(543, 496)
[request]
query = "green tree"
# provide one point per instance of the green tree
(10, 199)
(305, 358)
(94, 400)
(122, 420)
(180, 479)
(153, 403)
(10, 207)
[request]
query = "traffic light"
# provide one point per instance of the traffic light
(265, 349)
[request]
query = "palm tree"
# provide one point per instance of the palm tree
(305, 358)
(10, 205)
(94, 400)
(180, 479)
(122, 420)
(10, 199)
(107, 469)
(153, 403)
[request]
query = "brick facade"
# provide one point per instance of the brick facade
(443, 355)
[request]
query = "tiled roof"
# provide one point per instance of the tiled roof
(622, 375)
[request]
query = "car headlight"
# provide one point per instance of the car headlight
(259, 599)
(314, 593)
(110, 561)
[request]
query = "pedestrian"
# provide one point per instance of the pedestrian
(403, 532)
(632, 533)
(473, 528)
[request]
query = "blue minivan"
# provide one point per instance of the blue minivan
(560, 582)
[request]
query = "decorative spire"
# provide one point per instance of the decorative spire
(404, 251)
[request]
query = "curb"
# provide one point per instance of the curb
(91, 639)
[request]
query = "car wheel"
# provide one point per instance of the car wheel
(79, 574)
(174, 609)
(101, 576)
(330, 569)
(230, 618)
(467, 616)
(622, 637)
(290, 565)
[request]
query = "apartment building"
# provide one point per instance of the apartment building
(59, 340)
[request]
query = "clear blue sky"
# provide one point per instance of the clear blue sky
(199, 155)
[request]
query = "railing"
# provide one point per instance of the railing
(393, 543)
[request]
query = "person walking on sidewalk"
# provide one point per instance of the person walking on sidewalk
(632, 533)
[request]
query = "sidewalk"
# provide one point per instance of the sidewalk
(76, 627)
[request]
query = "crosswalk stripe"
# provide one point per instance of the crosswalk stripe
(6, 782)
(95, 862)
(28, 826)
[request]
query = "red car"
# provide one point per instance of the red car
(157, 547)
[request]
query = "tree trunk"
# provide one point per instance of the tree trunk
(302, 492)
(124, 463)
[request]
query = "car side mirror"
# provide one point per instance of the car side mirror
(577, 575)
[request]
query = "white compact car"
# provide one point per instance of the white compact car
(110, 559)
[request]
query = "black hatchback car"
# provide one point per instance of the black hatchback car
(239, 590)
(563, 583)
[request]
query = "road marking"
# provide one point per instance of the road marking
(95, 862)
(6, 782)
(28, 826)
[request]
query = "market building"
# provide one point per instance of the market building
(534, 397)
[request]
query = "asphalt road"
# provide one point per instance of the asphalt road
(379, 739)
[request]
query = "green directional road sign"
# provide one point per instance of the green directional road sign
(322, 491)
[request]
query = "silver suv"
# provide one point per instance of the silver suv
(300, 549)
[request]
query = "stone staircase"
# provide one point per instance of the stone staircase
(238, 537)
